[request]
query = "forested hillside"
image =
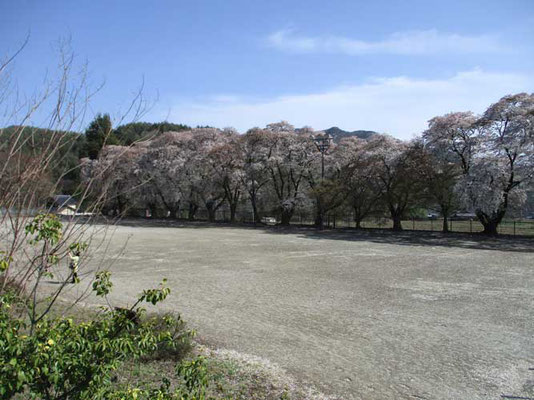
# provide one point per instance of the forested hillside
(63, 169)
(339, 134)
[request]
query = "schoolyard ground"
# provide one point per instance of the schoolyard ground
(369, 315)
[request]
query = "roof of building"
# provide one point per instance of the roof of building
(63, 200)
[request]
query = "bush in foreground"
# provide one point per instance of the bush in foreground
(56, 358)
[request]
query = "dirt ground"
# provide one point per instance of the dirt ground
(358, 315)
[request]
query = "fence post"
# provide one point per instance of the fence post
(470, 226)
(514, 228)
(334, 221)
(413, 223)
(450, 225)
(431, 225)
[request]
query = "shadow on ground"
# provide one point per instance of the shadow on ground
(384, 236)
(433, 239)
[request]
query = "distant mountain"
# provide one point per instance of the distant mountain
(339, 134)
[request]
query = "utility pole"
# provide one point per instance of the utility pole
(322, 141)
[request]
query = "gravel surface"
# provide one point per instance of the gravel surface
(358, 315)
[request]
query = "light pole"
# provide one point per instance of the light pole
(322, 141)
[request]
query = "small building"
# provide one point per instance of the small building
(63, 204)
(463, 216)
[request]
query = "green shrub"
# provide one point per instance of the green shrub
(179, 345)
(44, 357)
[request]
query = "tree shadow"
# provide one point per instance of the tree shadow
(432, 239)
(382, 236)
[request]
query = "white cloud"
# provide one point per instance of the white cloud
(400, 106)
(405, 43)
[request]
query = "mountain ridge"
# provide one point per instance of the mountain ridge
(339, 134)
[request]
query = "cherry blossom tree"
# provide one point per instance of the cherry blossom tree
(505, 162)
(394, 168)
(163, 165)
(178, 166)
(288, 160)
(494, 153)
(254, 148)
(450, 143)
(453, 134)
(482, 163)
(226, 162)
(115, 177)
(362, 191)
(203, 182)
(440, 172)
(329, 191)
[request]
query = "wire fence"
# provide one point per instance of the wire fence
(514, 227)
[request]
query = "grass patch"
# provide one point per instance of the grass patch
(182, 339)
(241, 376)
(229, 374)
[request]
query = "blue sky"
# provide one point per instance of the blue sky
(387, 66)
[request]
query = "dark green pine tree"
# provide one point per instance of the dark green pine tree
(99, 134)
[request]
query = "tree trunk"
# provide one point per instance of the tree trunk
(232, 196)
(153, 210)
(445, 209)
(121, 206)
(445, 228)
(192, 211)
(212, 206)
(319, 220)
(397, 224)
(319, 214)
(490, 223)
(211, 214)
(211, 209)
(358, 216)
(256, 215)
(233, 208)
(396, 212)
(286, 216)
(172, 208)
(490, 228)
